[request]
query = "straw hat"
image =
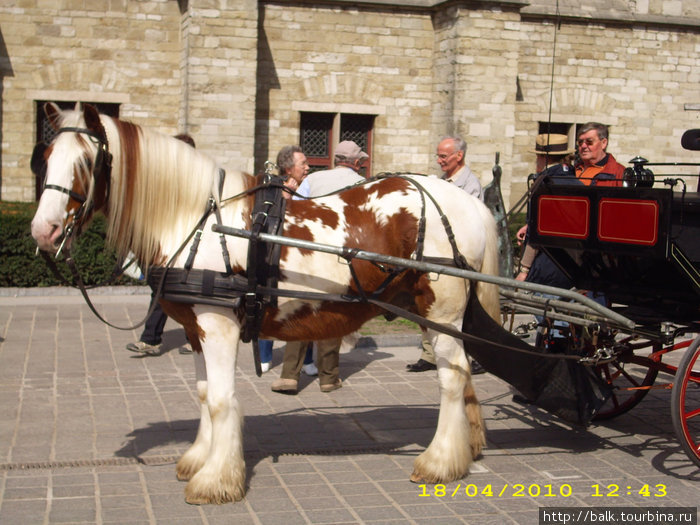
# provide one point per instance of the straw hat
(553, 144)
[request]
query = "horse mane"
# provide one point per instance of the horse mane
(163, 190)
(160, 188)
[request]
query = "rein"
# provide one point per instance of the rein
(80, 285)
(158, 289)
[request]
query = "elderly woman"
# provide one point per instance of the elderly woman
(291, 163)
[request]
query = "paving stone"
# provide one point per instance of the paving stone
(312, 458)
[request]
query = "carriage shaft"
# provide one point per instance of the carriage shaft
(554, 309)
(424, 266)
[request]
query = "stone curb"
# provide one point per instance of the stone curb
(365, 341)
(57, 291)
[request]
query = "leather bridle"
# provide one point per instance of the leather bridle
(101, 170)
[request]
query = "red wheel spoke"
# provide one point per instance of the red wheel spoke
(691, 414)
(685, 402)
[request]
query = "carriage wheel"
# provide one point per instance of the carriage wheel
(685, 402)
(630, 378)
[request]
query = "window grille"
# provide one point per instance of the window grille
(318, 141)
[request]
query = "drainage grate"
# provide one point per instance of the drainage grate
(74, 463)
(166, 459)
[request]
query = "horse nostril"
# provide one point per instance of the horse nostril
(55, 232)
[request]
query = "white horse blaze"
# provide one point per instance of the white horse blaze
(155, 201)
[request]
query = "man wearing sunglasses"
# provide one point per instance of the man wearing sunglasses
(597, 167)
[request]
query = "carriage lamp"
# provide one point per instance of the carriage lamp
(638, 176)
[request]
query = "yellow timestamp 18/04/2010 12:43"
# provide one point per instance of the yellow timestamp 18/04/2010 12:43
(536, 490)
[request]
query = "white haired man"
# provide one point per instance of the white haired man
(451, 152)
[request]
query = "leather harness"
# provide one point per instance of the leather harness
(258, 286)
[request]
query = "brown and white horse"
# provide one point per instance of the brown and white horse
(158, 191)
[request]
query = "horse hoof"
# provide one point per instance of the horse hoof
(217, 488)
(185, 470)
(416, 478)
(218, 498)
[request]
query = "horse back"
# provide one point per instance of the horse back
(382, 217)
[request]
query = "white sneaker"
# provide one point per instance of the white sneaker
(265, 367)
(143, 348)
(310, 369)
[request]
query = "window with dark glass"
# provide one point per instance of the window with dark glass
(318, 139)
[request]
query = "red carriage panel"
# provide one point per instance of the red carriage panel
(628, 221)
(641, 246)
(564, 216)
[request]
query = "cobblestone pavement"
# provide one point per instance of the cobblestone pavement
(90, 433)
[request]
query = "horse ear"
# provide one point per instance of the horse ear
(53, 114)
(93, 123)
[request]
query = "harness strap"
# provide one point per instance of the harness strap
(78, 283)
(222, 237)
(420, 238)
(459, 259)
(73, 195)
(263, 259)
(349, 255)
(194, 247)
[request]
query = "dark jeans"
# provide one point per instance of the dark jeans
(153, 330)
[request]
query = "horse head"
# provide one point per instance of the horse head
(76, 170)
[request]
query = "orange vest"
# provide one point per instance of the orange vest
(608, 166)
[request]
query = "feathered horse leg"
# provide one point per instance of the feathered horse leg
(221, 478)
(460, 433)
(192, 460)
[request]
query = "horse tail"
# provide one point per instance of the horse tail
(488, 293)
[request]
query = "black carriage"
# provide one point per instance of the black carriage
(636, 249)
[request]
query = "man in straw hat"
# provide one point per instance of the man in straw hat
(553, 160)
(553, 154)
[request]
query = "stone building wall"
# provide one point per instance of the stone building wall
(641, 80)
(345, 60)
(485, 69)
(113, 51)
(175, 71)
(236, 74)
(220, 46)
(424, 74)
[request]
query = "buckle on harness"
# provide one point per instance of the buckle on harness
(252, 309)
